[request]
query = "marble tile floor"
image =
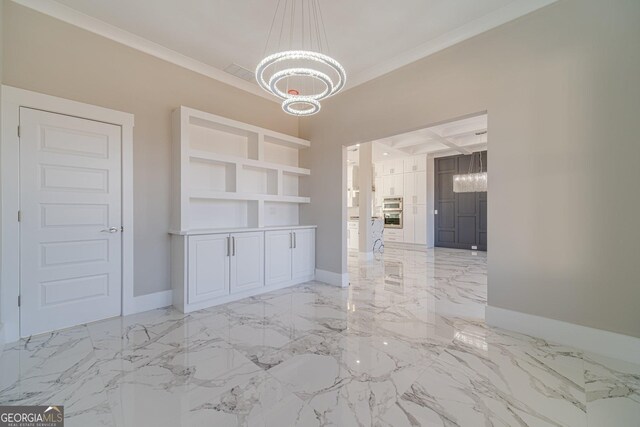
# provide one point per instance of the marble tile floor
(404, 345)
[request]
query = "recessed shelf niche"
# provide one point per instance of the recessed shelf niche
(232, 174)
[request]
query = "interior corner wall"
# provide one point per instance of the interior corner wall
(45, 55)
(562, 90)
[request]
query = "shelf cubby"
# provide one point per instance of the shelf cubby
(232, 174)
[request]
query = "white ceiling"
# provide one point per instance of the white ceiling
(369, 37)
(458, 137)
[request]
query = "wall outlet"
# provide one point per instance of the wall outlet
(474, 248)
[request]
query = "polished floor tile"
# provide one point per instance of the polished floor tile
(405, 345)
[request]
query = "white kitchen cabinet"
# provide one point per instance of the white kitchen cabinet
(246, 261)
(278, 245)
(393, 235)
(208, 267)
(303, 255)
(290, 255)
(408, 224)
(392, 185)
(409, 189)
(421, 187)
(420, 225)
(414, 224)
(415, 164)
(392, 167)
(353, 235)
(415, 188)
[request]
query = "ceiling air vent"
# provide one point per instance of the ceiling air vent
(239, 71)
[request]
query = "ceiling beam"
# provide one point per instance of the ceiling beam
(447, 151)
(447, 142)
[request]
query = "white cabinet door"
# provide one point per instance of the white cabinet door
(408, 223)
(421, 187)
(208, 267)
(378, 170)
(421, 163)
(420, 225)
(278, 247)
(409, 190)
(392, 167)
(247, 261)
(410, 165)
(398, 184)
(393, 235)
(388, 182)
(304, 253)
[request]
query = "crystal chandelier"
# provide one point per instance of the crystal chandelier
(302, 74)
(471, 182)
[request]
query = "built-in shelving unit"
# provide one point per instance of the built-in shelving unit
(232, 174)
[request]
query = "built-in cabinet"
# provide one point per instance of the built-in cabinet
(290, 255)
(406, 178)
(235, 224)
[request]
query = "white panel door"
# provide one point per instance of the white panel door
(420, 225)
(71, 216)
(277, 256)
(247, 261)
(208, 267)
(304, 253)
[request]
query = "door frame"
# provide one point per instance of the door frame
(11, 100)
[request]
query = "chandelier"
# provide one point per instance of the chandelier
(471, 182)
(300, 72)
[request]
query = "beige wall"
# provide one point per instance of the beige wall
(562, 90)
(49, 56)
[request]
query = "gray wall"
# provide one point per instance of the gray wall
(46, 55)
(562, 91)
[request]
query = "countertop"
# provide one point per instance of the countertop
(237, 230)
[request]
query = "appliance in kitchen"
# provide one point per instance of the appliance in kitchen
(392, 212)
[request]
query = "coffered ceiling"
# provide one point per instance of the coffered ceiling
(369, 37)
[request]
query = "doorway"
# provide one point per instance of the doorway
(67, 256)
(460, 218)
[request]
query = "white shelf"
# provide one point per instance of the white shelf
(231, 174)
(228, 195)
(223, 158)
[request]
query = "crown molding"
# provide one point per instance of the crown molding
(473, 28)
(96, 26)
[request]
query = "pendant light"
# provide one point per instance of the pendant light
(471, 182)
(300, 71)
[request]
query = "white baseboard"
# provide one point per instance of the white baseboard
(610, 344)
(235, 297)
(151, 301)
(331, 278)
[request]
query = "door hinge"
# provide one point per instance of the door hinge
(19, 301)
(18, 131)
(19, 216)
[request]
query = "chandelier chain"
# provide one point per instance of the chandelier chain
(291, 74)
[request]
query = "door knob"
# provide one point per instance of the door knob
(110, 230)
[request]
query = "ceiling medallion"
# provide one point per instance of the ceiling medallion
(302, 74)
